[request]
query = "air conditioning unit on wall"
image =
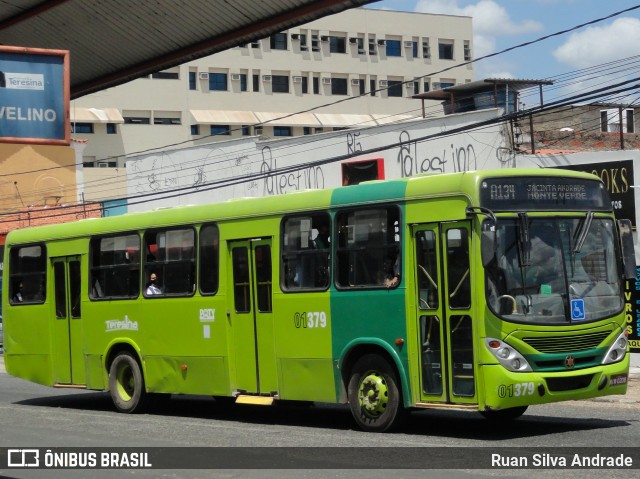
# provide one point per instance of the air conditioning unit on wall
(383, 83)
(204, 76)
(326, 80)
(297, 79)
(235, 76)
(355, 81)
(266, 78)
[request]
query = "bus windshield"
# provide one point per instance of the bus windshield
(554, 270)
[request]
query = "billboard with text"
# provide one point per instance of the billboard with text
(34, 96)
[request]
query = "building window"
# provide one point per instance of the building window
(316, 85)
(426, 86)
(303, 42)
(338, 86)
(111, 129)
(256, 82)
(467, 51)
(394, 88)
(416, 87)
(414, 49)
(337, 44)
(192, 80)
(372, 87)
(372, 46)
(166, 75)
(218, 81)
(361, 86)
(305, 84)
(426, 49)
(279, 84)
(137, 120)
(278, 41)
(220, 130)
(630, 128)
(166, 121)
(306, 130)
(195, 129)
(246, 130)
(243, 82)
(282, 131)
(445, 50)
(394, 48)
(81, 127)
(360, 44)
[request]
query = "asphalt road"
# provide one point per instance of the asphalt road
(38, 416)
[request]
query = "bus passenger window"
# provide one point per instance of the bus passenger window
(368, 250)
(171, 256)
(209, 259)
(306, 252)
(114, 267)
(28, 275)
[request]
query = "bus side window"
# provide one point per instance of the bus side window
(171, 257)
(27, 274)
(209, 259)
(306, 252)
(368, 250)
(114, 266)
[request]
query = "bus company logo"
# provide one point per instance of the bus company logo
(569, 362)
(120, 325)
(21, 81)
(23, 458)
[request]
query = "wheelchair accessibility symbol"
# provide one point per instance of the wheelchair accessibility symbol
(577, 310)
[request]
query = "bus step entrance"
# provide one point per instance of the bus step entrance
(255, 400)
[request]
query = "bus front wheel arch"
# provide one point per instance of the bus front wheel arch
(374, 394)
(126, 383)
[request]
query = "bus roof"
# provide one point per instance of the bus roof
(296, 202)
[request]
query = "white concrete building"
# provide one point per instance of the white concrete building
(352, 69)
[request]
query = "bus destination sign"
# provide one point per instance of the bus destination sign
(515, 194)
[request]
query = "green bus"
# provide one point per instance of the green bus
(488, 291)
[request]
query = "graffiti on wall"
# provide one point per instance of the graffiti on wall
(453, 159)
(279, 183)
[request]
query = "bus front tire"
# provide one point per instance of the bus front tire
(504, 415)
(126, 384)
(374, 397)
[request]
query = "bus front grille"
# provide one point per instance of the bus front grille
(569, 383)
(567, 344)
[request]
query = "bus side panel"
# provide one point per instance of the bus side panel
(378, 314)
(27, 343)
(303, 346)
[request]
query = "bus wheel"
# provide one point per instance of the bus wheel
(504, 415)
(126, 384)
(374, 396)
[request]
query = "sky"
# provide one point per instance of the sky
(501, 24)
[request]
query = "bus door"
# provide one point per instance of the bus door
(251, 318)
(68, 361)
(443, 284)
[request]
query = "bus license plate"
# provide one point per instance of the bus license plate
(618, 379)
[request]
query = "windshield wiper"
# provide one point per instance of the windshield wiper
(524, 248)
(582, 232)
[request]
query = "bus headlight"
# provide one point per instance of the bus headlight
(617, 351)
(507, 355)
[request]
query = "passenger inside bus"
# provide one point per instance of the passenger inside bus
(152, 288)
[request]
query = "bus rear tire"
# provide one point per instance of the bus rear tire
(504, 415)
(374, 397)
(126, 384)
